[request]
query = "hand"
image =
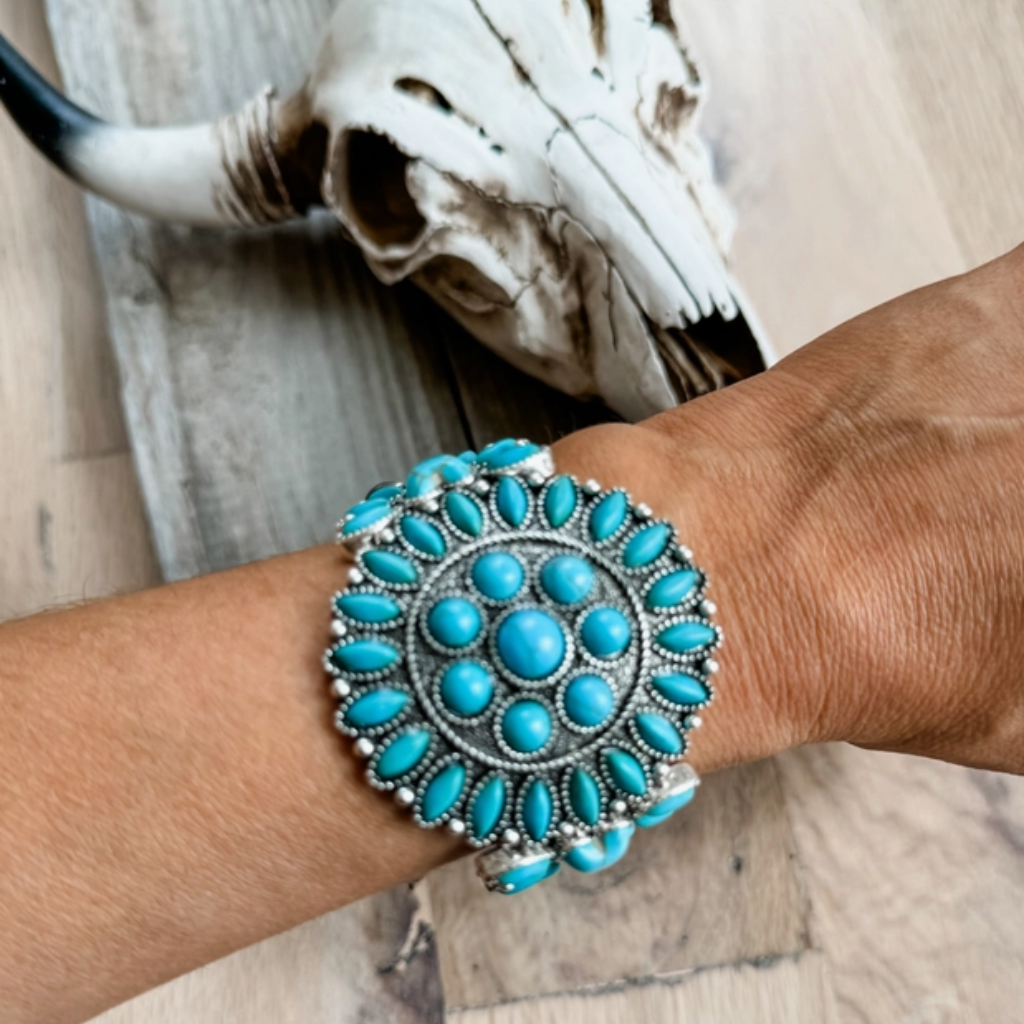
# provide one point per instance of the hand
(860, 510)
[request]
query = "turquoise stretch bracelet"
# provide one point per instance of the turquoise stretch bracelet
(520, 657)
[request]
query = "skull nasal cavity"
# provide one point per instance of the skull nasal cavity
(377, 191)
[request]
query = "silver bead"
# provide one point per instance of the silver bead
(404, 796)
(510, 837)
(363, 747)
(387, 536)
(591, 487)
(340, 689)
(692, 722)
(642, 511)
(711, 666)
(355, 575)
(707, 608)
(567, 829)
(662, 769)
(684, 553)
(618, 807)
(338, 628)
(481, 486)
(456, 827)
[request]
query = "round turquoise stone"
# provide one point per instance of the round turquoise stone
(365, 656)
(684, 637)
(372, 608)
(538, 809)
(680, 688)
(626, 772)
(443, 792)
(530, 643)
(672, 589)
(512, 501)
(646, 545)
(403, 753)
(606, 632)
(487, 808)
(588, 700)
(375, 708)
(526, 726)
(498, 575)
(454, 622)
(658, 732)
(464, 513)
(608, 515)
(567, 579)
(466, 688)
(390, 567)
(423, 536)
(585, 796)
(560, 501)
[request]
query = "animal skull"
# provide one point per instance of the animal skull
(534, 166)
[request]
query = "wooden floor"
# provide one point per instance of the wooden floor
(873, 888)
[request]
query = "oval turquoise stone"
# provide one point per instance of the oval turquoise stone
(390, 567)
(464, 513)
(663, 811)
(498, 575)
(530, 643)
(369, 655)
(376, 708)
(494, 447)
(626, 772)
(538, 809)
(646, 545)
(367, 517)
(680, 688)
(588, 700)
(560, 501)
(608, 515)
(586, 858)
(487, 808)
(672, 589)
(528, 875)
(454, 622)
(423, 536)
(368, 505)
(585, 796)
(443, 792)
(526, 726)
(428, 476)
(567, 579)
(605, 632)
(375, 608)
(616, 844)
(683, 637)
(658, 732)
(385, 491)
(403, 753)
(466, 688)
(506, 453)
(512, 501)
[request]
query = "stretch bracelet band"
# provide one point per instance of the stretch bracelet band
(520, 658)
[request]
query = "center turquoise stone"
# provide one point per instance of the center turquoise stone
(531, 644)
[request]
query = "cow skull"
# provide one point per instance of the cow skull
(534, 166)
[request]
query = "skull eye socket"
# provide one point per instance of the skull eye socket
(379, 198)
(462, 285)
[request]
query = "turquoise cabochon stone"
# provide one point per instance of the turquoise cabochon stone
(465, 513)
(370, 655)
(423, 536)
(530, 643)
(538, 808)
(376, 708)
(508, 452)
(522, 878)
(488, 807)
(526, 726)
(371, 608)
(663, 811)
(466, 688)
(385, 491)
(608, 515)
(626, 772)
(454, 622)
(585, 796)
(512, 501)
(683, 637)
(443, 792)
(646, 545)
(597, 856)
(428, 476)
(658, 732)
(588, 700)
(390, 567)
(680, 688)
(403, 753)
(560, 501)
(567, 579)
(498, 575)
(605, 632)
(672, 589)
(365, 514)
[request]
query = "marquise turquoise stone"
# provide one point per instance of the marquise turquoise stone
(430, 475)
(464, 512)
(560, 501)
(369, 513)
(403, 753)
(680, 688)
(368, 655)
(608, 515)
(466, 688)
(658, 732)
(585, 796)
(454, 622)
(683, 637)
(605, 632)
(526, 726)
(626, 772)
(567, 579)
(646, 545)
(503, 454)
(498, 575)
(487, 808)
(385, 491)
(586, 858)
(530, 643)
(672, 589)
(537, 810)
(588, 700)
(664, 810)
(443, 792)
(512, 501)
(373, 608)
(376, 708)
(390, 567)
(368, 505)
(423, 536)
(521, 878)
